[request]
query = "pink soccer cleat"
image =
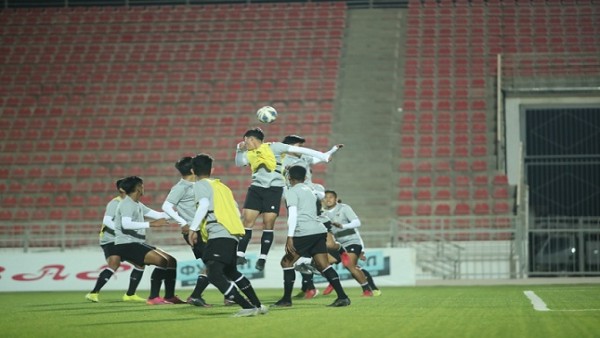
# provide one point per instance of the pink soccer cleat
(367, 293)
(157, 301)
(328, 290)
(310, 294)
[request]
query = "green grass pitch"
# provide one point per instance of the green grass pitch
(448, 311)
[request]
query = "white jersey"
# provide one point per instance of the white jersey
(343, 214)
(136, 211)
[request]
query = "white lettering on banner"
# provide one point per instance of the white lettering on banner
(79, 269)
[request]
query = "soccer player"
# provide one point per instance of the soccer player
(113, 260)
(218, 219)
(180, 205)
(306, 237)
(266, 189)
(290, 159)
(345, 223)
(130, 241)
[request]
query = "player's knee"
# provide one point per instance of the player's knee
(287, 261)
(113, 262)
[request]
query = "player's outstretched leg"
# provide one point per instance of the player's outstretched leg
(374, 288)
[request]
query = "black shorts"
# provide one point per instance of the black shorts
(109, 249)
(308, 246)
(198, 248)
(221, 249)
(354, 248)
(134, 252)
(264, 199)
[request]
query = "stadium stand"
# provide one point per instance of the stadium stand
(90, 94)
(449, 90)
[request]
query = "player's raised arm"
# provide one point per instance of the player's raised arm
(240, 155)
(331, 151)
(310, 152)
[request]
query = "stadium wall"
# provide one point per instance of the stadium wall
(78, 270)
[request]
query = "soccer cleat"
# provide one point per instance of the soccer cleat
(241, 260)
(263, 310)
(367, 293)
(175, 300)
(282, 303)
(198, 302)
(301, 268)
(345, 259)
(133, 298)
(92, 297)
(247, 312)
(328, 290)
(340, 302)
(306, 269)
(300, 294)
(260, 264)
(310, 294)
(228, 302)
(376, 292)
(157, 301)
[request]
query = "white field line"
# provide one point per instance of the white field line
(575, 310)
(539, 305)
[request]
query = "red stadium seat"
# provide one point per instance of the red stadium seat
(402, 210)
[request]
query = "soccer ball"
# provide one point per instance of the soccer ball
(266, 114)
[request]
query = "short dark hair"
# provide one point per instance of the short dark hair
(202, 164)
(297, 173)
(334, 194)
(129, 183)
(293, 139)
(331, 192)
(184, 165)
(256, 132)
(119, 182)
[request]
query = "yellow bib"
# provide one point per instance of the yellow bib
(262, 156)
(225, 209)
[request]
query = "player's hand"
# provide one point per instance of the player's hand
(340, 146)
(192, 238)
(336, 224)
(241, 146)
(185, 229)
(159, 223)
(289, 246)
